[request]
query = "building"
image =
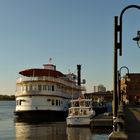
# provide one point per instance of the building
(96, 96)
(99, 88)
(130, 87)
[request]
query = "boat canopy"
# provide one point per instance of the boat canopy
(41, 72)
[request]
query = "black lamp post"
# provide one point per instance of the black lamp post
(119, 82)
(118, 45)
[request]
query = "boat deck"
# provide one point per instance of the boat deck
(102, 120)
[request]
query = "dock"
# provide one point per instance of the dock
(132, 122)
(102, 120)
(131, 129)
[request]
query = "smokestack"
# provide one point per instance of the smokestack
(79, 75)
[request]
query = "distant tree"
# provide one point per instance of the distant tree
(7, 97)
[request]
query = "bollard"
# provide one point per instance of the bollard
(119, 126)
(118, 131)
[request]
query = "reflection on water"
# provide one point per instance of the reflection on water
(21, 130)
(42, 131)
(85, 133)
(79, 133)
(54, 131)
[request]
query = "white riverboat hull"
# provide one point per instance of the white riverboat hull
(78, 120)
(40, 108)
(41, 115)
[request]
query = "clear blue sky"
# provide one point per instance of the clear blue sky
(71, 32)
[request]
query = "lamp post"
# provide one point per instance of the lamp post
(118, 46)
(118, 123)
(119, 82)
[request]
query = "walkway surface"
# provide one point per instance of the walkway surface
(132, 122)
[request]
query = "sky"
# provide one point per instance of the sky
(70, 32)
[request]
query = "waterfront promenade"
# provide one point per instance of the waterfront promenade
(132, 122)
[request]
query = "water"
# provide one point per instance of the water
(12, 130)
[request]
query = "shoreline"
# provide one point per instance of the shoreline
(7, 97)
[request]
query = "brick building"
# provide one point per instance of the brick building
(130, 87)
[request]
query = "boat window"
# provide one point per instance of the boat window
(52, 101)
(34, 87)
(48, 100)
(76, 112)
(87, 104)
(59, 102)
(76, 104)
(27, 87)
(52, 87)
(19, 102)
(39, 87)
(49, 87)
(56, 102)
(30, 88)
(24, 88)
(44, 87)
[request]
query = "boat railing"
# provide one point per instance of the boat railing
(81, 102)
(76, 111)
(37, 92)
(50, 79)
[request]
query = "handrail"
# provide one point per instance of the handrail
(51, 79)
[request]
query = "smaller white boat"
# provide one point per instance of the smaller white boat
(80, 113)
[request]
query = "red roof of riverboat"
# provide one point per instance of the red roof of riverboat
(41, 72)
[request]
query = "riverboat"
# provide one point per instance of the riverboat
(44, 94)
(80, 112)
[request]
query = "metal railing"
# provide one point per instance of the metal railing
(50, 79)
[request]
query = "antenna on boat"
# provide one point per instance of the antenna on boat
(50, 60)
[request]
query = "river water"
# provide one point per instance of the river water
(13, 130)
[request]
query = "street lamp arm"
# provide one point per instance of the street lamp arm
(125, 68)
(120, 29)
(128, 7)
